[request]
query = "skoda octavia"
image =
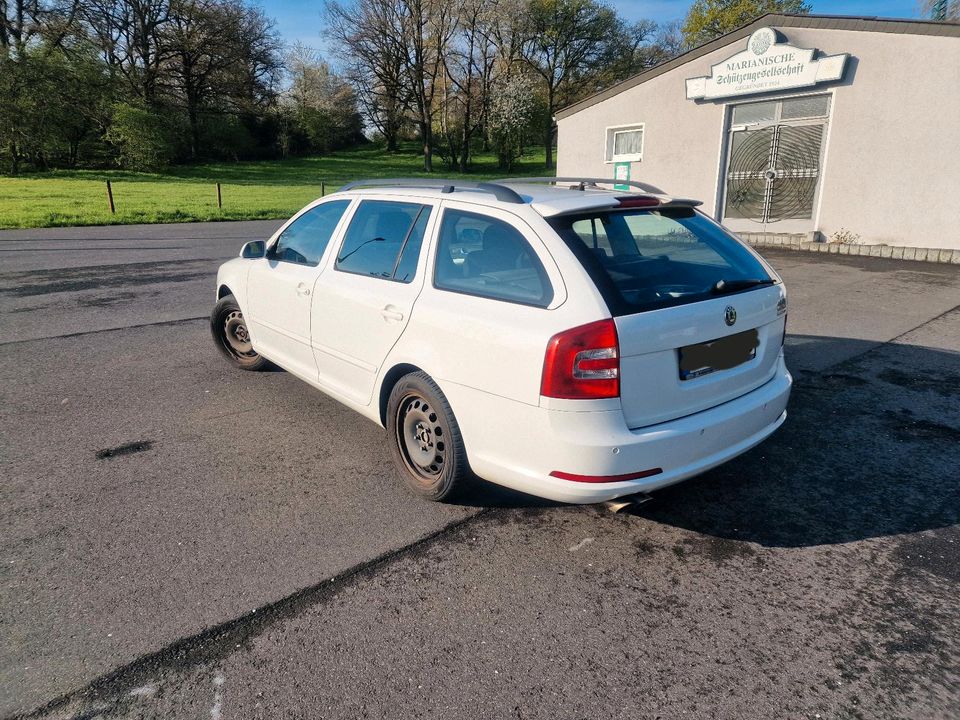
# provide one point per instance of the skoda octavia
(568, 340)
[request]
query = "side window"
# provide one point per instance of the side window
(594, 235)
(384, 240)
(480, 255)
(306, 238)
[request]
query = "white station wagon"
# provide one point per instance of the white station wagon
(576, 343)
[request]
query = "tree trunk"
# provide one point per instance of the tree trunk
(14, 159)
(548, 144)
(548, 133)
(426, 136)
(194, 119)
(428, 155)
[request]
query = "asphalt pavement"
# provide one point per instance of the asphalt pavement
(180, 539)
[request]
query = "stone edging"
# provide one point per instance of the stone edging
(894, 252)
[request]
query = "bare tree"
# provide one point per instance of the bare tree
(130, 34)
(323, 104)
(568, 43)
(469, 64)
(427, 27)
(371, 35)
(22, 21)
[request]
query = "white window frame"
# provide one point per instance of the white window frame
(609, 143)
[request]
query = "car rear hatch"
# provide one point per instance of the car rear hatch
(699, 317)
(680, 360)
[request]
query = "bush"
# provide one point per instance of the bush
(144, 139)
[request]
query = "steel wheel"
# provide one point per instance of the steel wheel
(236, 335)
(232, 336)
(420, 436)
(425, 439)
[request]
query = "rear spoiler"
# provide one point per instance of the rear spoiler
(577, 203)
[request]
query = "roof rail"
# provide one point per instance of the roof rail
(501, 192)
(585, 182)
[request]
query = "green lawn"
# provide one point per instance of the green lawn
(251, 190)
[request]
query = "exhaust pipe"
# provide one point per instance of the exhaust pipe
(627, 502)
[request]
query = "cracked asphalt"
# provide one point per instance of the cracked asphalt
(181, 540)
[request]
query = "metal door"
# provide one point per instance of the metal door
(773, 167)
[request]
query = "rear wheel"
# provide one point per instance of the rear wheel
(425, 439)
(232, 337)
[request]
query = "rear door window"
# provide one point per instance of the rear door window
(487, 257)
(384, 240)
(647, 259)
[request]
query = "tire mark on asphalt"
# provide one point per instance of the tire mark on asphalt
(29, 283)
(106, 330)
(87, 248)
(219, 640)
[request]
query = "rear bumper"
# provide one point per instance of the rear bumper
(599, 444)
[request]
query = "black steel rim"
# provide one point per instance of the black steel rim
(236, 337)
(421, 438)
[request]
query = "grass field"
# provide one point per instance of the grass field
(251, 190)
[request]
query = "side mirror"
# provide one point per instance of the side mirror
(253, 250)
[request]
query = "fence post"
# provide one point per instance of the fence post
(113, 210)
(219, 197)
(323, 188)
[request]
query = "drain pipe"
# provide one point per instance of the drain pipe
(627, 502)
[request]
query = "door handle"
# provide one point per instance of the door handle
(391, 313)
(302, 289)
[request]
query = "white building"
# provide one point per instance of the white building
(808, 125)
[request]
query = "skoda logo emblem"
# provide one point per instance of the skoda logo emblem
(730, 315)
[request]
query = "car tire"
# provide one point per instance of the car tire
(425, 439)
(232, 337)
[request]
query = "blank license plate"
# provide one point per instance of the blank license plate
(722, 354)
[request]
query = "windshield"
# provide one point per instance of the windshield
(647, 259)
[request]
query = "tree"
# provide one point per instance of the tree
(570, 44)
(668, 40)
(130, 34)
(513, 107)
(220, 52)
(426, 26)
(370, 33)
(469, 65)
(322, 104)
(709, 19)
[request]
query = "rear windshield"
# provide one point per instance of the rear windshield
(647, 259)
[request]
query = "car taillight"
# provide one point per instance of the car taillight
(638, 202)
(583, 363)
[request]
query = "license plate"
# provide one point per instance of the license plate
(721, 354)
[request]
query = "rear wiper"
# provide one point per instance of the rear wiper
(725, 286)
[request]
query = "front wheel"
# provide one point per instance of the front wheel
(425, 439)
(232, 337)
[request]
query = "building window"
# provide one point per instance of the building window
(625, 143)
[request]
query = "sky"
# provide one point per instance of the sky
(301, 20)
